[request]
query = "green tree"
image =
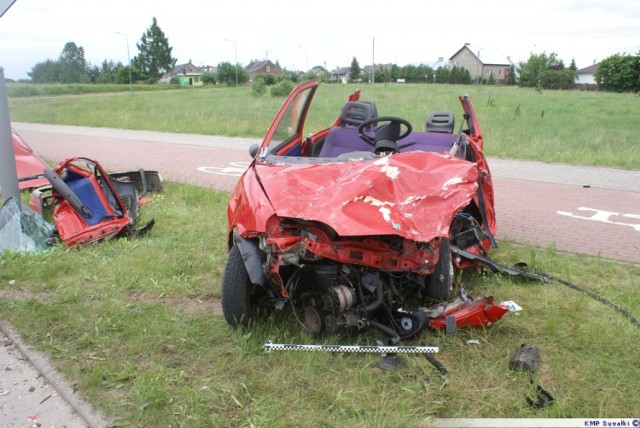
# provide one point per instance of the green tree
(282, 88)
(512, 76)
(546, 72)
(354, 71)
(226, 73)
(154, 53)
(459, 75)
(45, 72)
(122, 75)
(267, 79)
(619, 73)
(208, 78)
(243, 75)
(106, 73)
(443, 75)
(258, 88)
(73, 66)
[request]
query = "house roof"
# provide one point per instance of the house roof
(589, 70)
(258, 64)
(340, 71)
(184, 69)
(487, 55)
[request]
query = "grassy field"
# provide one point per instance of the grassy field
(590, 128)
(137, 324)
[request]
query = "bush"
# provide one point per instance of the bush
(282, 88)
(174, 80)
(208, 78)
(267, 79)
(258, 88)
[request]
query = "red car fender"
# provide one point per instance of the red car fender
(476, 313)
(249, 208)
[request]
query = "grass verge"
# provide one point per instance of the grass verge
(136, 323)
(590, 128)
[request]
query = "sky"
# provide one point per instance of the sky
(300, 34)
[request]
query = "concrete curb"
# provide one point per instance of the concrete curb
(43, 369)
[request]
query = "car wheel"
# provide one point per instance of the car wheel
(440, 283)
(237, 303)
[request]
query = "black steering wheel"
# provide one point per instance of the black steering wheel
(391, 124)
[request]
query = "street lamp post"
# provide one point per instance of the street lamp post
(128, 59)
(373, 60)
(235, 48)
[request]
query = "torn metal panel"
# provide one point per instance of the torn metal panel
(412, 195)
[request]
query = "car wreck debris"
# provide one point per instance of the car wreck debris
(355, 226)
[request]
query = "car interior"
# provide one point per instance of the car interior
(438, 136)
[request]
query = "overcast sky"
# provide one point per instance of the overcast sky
(301, 34)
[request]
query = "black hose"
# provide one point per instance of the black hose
(393, 336)
(437, 364)
(367, 309)
(599, 298)
(519, 270)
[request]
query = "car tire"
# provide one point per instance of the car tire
(237, 305)
(440, 282)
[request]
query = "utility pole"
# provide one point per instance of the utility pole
(373, 60)
(128, 59)
(8, 172)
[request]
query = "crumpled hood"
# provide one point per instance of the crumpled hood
(414, 195)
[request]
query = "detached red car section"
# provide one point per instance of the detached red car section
(355, 226)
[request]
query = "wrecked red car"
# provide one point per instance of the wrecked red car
(358, 225)
(88, 204)
(29, 167)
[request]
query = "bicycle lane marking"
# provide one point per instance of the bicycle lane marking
(604, 216)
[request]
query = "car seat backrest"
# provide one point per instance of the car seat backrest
(342, 140)
(86, 190)
(441, 122)
(355, 112)
(437, 142)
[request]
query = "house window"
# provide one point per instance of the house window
(268, 69)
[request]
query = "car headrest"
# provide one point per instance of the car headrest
(441, 122)
(356, 112)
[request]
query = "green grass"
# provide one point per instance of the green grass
(136, 324)
(590, 128)
(21, 90)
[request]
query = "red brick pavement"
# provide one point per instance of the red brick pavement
(527, 211)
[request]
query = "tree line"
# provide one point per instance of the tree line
(152, 62)
(618, 73)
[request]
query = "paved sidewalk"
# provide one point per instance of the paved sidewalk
(33, 393)
(596, 177)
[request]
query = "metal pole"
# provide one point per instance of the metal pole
(8, 173)
(128, 59)
(373, 61)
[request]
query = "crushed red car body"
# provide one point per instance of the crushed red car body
(29, 167)
(354, 226)
(88, 204)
